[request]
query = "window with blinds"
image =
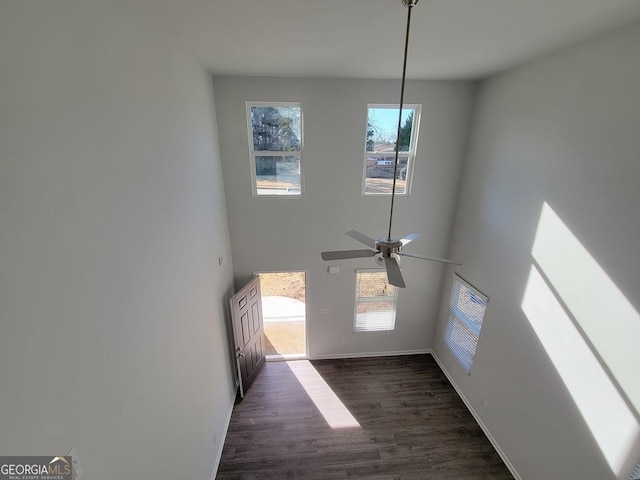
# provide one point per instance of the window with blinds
(376, 302)
(635, 475)
(466, 313)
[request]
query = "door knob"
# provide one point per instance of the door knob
(239, 353)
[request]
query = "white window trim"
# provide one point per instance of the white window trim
(411, 154)
(393, 299)
(458, 278)
(253, 154)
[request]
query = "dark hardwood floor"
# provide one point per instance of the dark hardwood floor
(412, 424)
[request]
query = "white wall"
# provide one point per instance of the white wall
(548, 225)
(289, 233)
(112, 215)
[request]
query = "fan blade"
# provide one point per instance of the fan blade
(394, 276)
(409, 238)
(432, 259)
(362, 238)
(344, 254)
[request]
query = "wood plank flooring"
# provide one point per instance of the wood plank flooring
(412, 425)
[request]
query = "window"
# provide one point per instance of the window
(466, 313)
(380, 144)
(635, 475)
(376, 302)
(275, 146)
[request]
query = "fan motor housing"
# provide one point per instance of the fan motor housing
(387, 246)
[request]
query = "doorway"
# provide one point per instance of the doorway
(284, 313)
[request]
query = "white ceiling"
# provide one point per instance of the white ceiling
(450, 39)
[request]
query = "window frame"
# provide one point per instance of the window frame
(411, 154)
(358, 300)
(271, 153)
(461, 317)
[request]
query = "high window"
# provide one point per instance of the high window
(380, 145)
(275, 146)
(376, 302)
(466, 313)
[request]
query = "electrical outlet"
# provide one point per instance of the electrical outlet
(215, 437)
(485, 405)
(344, 340)
(77, 468)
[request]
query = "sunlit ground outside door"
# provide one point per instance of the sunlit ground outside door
(283, 309)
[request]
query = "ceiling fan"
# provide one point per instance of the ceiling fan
(387, 248)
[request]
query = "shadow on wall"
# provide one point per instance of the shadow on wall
(589, 330)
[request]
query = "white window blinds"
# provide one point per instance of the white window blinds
(375, 302)
(466, 313)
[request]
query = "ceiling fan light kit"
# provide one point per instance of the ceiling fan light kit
(388, 250)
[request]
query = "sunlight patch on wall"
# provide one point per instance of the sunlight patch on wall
(586, 325)
(607, 318)
(607, 415)
(326, 401)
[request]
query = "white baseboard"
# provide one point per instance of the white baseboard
(333, 356)
(484, 428)
(218, 453)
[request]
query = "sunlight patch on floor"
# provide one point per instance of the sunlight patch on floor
(326, 401)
